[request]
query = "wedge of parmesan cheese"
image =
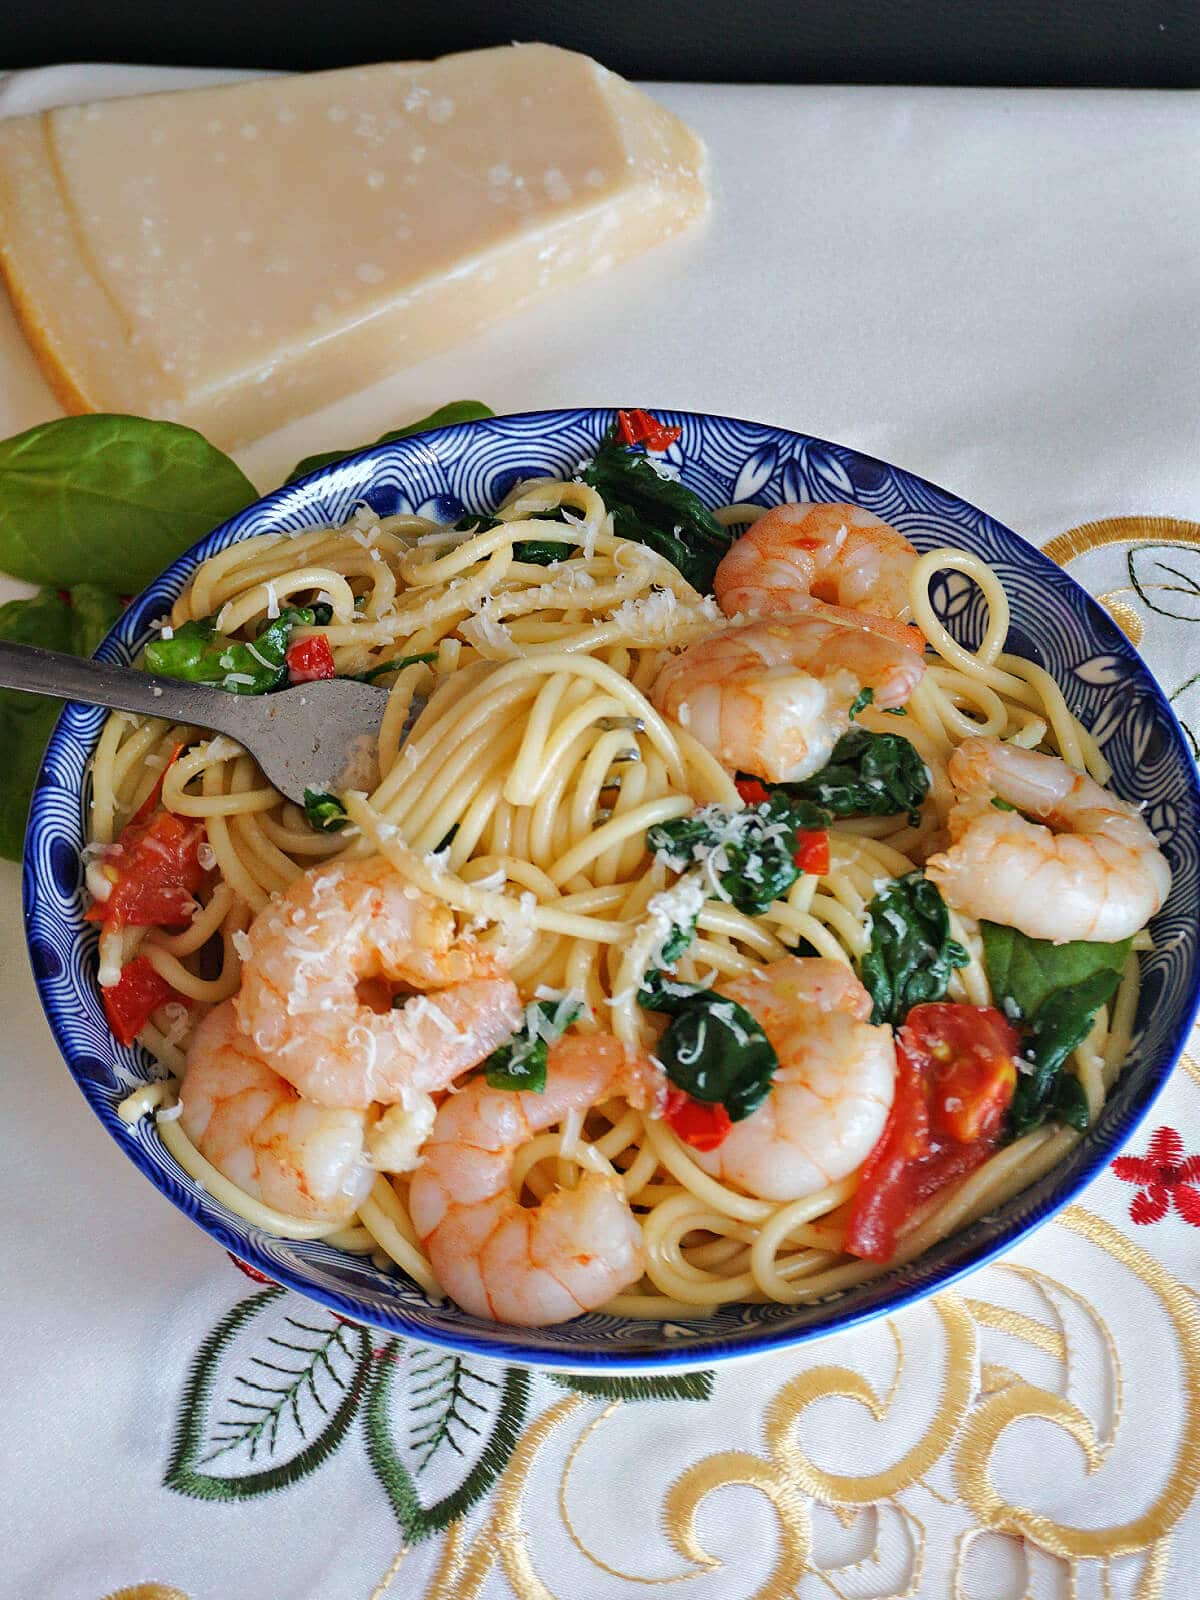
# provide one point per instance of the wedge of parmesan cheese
(233, 257)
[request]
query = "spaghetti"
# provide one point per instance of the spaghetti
(521, 762)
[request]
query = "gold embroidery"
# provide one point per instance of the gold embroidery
(1191, 1066)
(982, 1429)
(1019, 1326)
(1123, 614)
(147, 1591)
(837, 1488)
(1154, 1574)
(737, 1466)
(385, 1583)
(1065, 547)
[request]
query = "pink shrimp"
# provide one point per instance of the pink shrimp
(833, 1088)
(334, 929)
(773, 698)
(834, 557)
(305, 1160)
(492, 1255)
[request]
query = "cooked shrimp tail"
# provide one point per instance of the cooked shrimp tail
(1087, 868)
(326, 938)
(773, 698)
(833, 1088)
(834, 555)
(305, 1160)
(492, 1255)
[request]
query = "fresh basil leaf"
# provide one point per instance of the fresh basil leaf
(444, 417)
(325, 812)
(659, 512)
(712, 1048)
(895, 711)
(1027, 971)
(110, 500)
(861, 701)
(752, 852)
(521, 1063)
(911, 954)
(397, 665)
(1002, 805)
(197, 653)
(75, 626)
(869, 775)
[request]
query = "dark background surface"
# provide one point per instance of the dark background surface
(1141, 43)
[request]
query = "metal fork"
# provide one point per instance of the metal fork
(314, 736)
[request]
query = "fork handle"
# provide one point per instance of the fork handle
(97, 683)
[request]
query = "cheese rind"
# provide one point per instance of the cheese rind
(234, 257)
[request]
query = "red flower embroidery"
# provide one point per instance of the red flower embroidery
(1163, 1175)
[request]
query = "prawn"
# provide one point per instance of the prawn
(831, 1093)
(306, 1160)
(834, 557)
(492, 1255)
(1088, 869)
(310, 961)
(773, 698)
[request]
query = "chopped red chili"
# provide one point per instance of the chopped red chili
(696, 1122)
(639, 427)
(309, 660)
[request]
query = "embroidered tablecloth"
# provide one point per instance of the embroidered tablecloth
(1000, 290)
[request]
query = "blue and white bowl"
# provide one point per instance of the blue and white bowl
(471, 467)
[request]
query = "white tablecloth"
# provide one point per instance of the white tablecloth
(1000, 290)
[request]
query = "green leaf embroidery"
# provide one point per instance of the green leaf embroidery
(110, 500)
(293, 1388)
(672, 1386)
(450, 1406)
(444, 417)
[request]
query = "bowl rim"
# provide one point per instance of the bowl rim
(698, 1351)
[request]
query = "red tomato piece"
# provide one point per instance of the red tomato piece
(812, 851)
(156, 875)
(309, 660)
(130, 1004)
(752, 791)
(969, 1054)
(696, 1122)
(956, 1072)
(639, 427)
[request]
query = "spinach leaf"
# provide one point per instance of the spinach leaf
(658, 512)
(1027, 971)
(110, 500)
(197, 653)
(863, 699)
(911, 954)
(75, 625)
(869, 775)
(325, 812)
(751, 853)
(712, 1048)
(1057, 990)
(443, 417)
(394, 666)
(539, 552)
(521, 1063)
